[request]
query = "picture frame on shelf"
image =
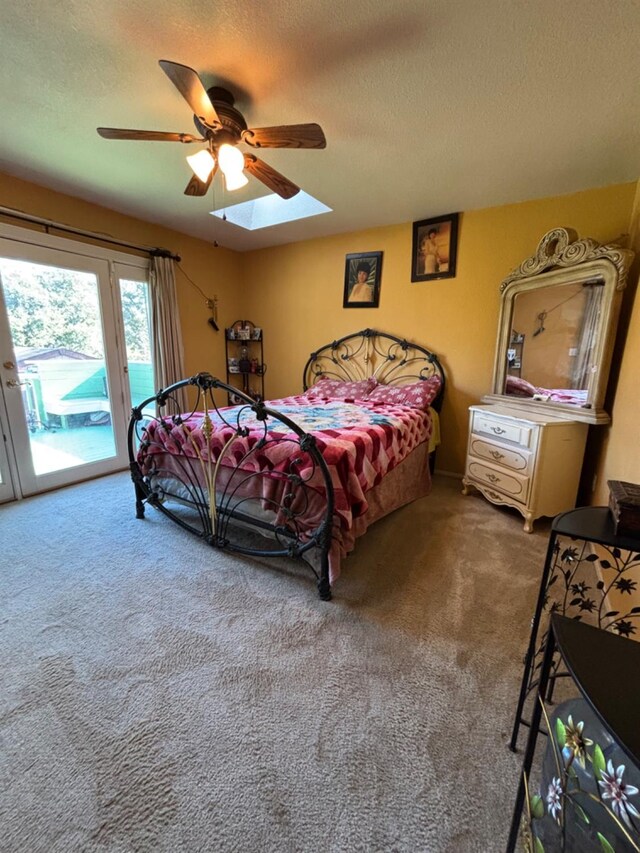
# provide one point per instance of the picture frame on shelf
(362, 275)
(435, 248)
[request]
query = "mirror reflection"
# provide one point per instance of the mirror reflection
(556, 332)
(553, 340)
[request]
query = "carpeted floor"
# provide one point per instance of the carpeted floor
(160, 696)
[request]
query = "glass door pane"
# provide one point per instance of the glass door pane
(54, 317)
(136, 320)
(58, 389)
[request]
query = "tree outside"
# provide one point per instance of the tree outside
(50, 307)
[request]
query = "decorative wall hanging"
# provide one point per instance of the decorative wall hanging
(362, 280)
(435, 247)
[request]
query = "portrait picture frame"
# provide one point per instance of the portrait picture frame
(361, 292)
(435, 248)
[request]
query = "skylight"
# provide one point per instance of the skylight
(272, 210)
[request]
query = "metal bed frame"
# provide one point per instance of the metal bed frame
(220, 503)
(392, 360)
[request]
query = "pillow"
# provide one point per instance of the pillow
(518, 387)
(339, 390)
(419, 395)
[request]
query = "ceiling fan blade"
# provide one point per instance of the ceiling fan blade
(286, 136)
(147, 135)
(198, 187)
(272, 179)
(190, 87)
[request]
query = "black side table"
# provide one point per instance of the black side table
(582, 584)
(592, 802)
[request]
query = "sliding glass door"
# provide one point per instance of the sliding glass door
(63, 363)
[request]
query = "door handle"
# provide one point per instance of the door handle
(15, 383)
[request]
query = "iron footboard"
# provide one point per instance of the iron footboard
(228, 473)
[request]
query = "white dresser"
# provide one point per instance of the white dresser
(525, 460)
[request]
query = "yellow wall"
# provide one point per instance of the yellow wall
(295, 294)
(619, 458)
(215, 271)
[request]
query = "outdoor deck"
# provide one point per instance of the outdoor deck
(68, 410)
(56, 450)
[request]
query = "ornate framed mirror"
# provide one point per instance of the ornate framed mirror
(558, 316)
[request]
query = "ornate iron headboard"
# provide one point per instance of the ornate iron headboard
(392, 360)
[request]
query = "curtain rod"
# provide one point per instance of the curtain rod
(49, 223)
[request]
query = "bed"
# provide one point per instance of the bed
(301, 476)
(517, 387)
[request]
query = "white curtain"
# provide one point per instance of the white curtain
(587, 337)
(168, 352)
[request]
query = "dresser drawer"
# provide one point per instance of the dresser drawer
(504, 430)
(509, 484)
(516, 460)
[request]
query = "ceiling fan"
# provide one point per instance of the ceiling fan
(221, 127)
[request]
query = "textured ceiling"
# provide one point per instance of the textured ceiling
(428, 107)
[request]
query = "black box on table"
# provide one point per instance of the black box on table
(624, 504)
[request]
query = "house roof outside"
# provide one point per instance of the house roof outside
(27, 355)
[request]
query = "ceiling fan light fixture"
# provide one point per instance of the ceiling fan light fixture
(217, 130)
(235, 181)
(231, 163)
(202, 164)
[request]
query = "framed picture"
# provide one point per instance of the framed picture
(435, 246)
(362, 280)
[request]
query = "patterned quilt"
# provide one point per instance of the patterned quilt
(360, 443)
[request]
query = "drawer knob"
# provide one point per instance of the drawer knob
(498, 430)
(497, 455)
(492, 478)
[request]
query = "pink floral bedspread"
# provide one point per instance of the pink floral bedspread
(360, 443)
